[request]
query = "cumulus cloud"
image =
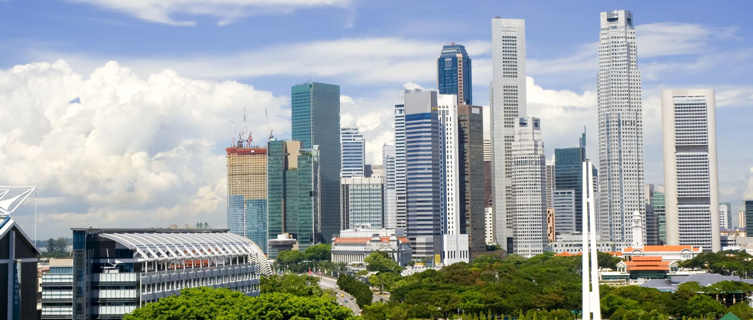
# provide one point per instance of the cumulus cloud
(112, 148)
(226, 11)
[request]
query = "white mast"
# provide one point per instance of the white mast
(590, 293)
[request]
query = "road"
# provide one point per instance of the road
(343, 298)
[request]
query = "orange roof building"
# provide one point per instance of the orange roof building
(354, 245)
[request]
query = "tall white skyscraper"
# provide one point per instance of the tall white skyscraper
(352, 153)
(447, 112)
(690, 168)
(528, 188)
(725, 216)
(390, 182)
(620, 129)
(508, 103)
(401, 214)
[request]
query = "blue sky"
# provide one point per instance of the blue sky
(163, 86)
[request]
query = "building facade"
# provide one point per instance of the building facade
(449, 169)
(353, 153)
(725, 216)
(620, 116)
(352, 246)
(550, 183)
(18, 271)
(401, 195)
(472, 180)
(293, 183)
(422, 158)
(57, 290)
(508, 103)
(529, 188)
(315, 117)
(564, 211)
(247, 192)
(454, 73)
(690, 168)
(568, 166)
(118, 270)
(390, 184)
(362, 202)
(749, 217)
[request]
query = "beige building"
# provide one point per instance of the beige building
(247, 192)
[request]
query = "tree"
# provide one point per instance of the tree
(704, 306)
(742, 310)
(358, 289)
(381, 261)
(318, 252)
(303, 285)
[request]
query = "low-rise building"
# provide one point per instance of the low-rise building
(667, 253)
(118, 270)
(352, 246)
(283, 241)
(57, 290)
(572, 243)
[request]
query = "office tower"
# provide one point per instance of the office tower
(550, 185)
(293, 183)
(423, 163)
(353, 153)
(748, 217)
(568, 167)
(362, 202)
(489, 225)
(315, 117)
(454, 73)
(551, 234)
(690, 168)
(390, 182)
(508, 103)
(528, 187)
(449, 175)
(741, 218)
(488, 157)
(725, 215)
(471, 161)
(620, 116)
(657, 205)
(564, 211)
(652, 219)
(401, 195)
(247, 192)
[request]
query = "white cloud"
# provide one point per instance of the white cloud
(135, 151)
(226, 11)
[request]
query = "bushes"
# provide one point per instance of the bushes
(358, 289)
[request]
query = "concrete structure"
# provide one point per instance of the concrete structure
(283, 241)
(550, 183)
(352, 246)
(551, 234)
(57, 290)
(423, 163)
(749, 218)
(449, 169)
(741, 218)
(489, 225)
(590, 295)
(471, 162)
(455, 249)
(572, 244)
(725, 216)
(315, 120)
(454, 73)
(362, 201)
(118, 270)
(564, 211)
(666, 252)
(620, 115)
(528, 188)
(508, 104)
(401, 196)
(352, 153)
(18, 267)
(390, 184)
(294, 200)
(690, 168)
(247, 192)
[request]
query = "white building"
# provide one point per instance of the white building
(455, 249)
(352, 153)
(508, 103)
(449, 196)
(725, 216)
(572, 243)
(401, 207)
(620, 115)
(690, 168)
(489, 225)
(528, 188)
(352, 246)
(390, 183)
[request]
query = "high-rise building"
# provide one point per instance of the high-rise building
(657, 205)
(488, 159)
(749, 217)
(315, 117)
(471, 161)
(742, 219)
(401, 195)
(489, 225)
(422, 158)
(353, 153)
(564, 211)
(690, 168)
(725, 215)
(449, 171)
(362, 202)
(550, 183)
(620, 116)
(454, 73)
(247, 192)
(508, 103)
(390, 195)
(293, 183)
(529, 187)
(568, 166)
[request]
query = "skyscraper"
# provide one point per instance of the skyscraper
(690, 168)
(471, 161)
(454, 73)
(315, 120)
(725, 215)
(247, 192)
(620, 116)
(568, 166)
(401, 195)
(362, 202)
(353, 153)
(449, 175)
(550, 183)
(748, 217)
(652, 215)
(293, 183)
(508, 103)
(390, 182)
(422, 172)
(529, 187)
(564, 211)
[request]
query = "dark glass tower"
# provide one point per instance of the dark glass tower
(315, 119)
(472, 197)
(568, 172)
(454, 73)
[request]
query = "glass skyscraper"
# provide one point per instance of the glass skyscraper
(454, 73)
(363, 202)
(568, 173)
(247, 192)
(353, 153)
(316, 121)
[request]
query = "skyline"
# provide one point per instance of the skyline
(90, 164)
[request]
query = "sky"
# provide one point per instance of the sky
(119, 111)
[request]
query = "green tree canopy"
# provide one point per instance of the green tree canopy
(381, 261)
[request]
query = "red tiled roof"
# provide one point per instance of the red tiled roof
(647, 263)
